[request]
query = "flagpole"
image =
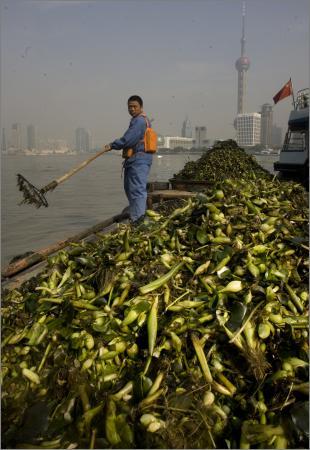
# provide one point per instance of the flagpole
(292, 93)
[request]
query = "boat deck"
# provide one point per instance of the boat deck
(167, 194)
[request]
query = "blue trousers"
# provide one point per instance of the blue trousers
(136, 171)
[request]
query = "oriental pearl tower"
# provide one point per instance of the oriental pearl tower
(242, 65)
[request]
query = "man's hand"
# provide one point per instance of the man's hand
(107, 147)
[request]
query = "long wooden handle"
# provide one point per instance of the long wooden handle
(55, 183)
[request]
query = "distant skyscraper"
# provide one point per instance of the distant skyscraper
(16, 138)
(248, 129)
(200, 137)
(31, 137)
(276, 136)
(3, 142)
(82, 140)
(186, 129)
(266, 125)
(242, 65)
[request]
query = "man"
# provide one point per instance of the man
(137, 162)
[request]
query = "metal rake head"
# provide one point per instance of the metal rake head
(32, 195)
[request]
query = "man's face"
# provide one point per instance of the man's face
(134, 108)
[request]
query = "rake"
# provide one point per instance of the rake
(36, 196)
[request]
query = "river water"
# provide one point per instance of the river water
(91, 196)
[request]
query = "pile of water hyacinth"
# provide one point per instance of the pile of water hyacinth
(224, 160)
(189, 333)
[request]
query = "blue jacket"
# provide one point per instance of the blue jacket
(133, 137)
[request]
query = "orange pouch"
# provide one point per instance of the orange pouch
(127, 153)
(150, 139)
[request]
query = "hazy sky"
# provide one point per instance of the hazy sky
(66, 64)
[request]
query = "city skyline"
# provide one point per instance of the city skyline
(83, 70)
(26, 137)
(271, 135)
(82, 140)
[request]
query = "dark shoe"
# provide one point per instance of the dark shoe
(141, 224)
(138, 222)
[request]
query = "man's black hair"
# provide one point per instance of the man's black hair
(136, 98)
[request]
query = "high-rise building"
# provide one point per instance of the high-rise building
(248, 129)
(82, 140)
(266, 125)
(16, 137)
(186, 129)
(276, 136)
(3, 142)
(242, 65)
(200, 137)
(31, 137)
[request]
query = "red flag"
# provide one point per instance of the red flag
(284, 92)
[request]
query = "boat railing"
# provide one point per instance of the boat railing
(302, 99)
(294, 142)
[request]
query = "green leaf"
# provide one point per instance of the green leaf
(201, 237)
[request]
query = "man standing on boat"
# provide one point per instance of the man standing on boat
(138, 159)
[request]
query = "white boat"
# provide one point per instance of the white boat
(294, 156)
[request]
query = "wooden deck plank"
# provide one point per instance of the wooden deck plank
(167, 194)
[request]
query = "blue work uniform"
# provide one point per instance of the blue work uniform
(137, 167)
